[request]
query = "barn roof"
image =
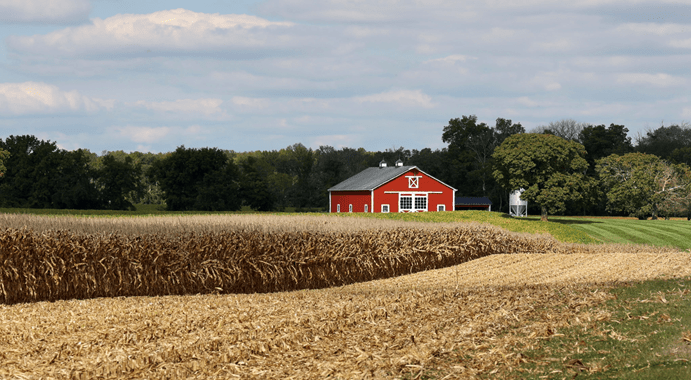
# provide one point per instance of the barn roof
(473, 201)
(371, 178)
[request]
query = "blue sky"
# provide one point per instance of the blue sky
(261, 75)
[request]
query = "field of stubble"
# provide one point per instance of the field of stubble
(461, 321)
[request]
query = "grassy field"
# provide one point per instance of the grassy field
(674, 233)
(669, 233)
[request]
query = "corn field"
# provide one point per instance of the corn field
(472, 320)
(49, 258)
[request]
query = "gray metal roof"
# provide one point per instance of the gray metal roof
(371, 178)
(473, 201)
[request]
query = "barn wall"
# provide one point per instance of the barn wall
(357, 198)
(425, 184)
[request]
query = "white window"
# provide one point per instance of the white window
(384, 208)
(405, 203)
(350, 208)
(413, 182)
(338, 208)
(366, 208)
(421, 203)
(441, 208)
(412, 202)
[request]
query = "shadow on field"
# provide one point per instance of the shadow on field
(554, 219)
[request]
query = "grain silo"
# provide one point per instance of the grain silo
(517, 206)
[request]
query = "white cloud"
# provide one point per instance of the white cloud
(364, 11)
(151, 135)
(686, 44)
(203, 106)
(657, 80)
(146, 135)
(162, 32)
(526, 101)
(401, 97)
(44, 11)
(686, 112)
(254, 103)
(36, 97)
(654, 28)
(499, 35)
(337, 141)
(559, 45)
(451, 59)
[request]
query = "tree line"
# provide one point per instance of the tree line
(38, 174)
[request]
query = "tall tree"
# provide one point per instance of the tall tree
(639, 183)
(600, 141)
(681, 156)
(550, 168)
(504, 128)
(74, 186)
(39, 175)
(568, 129)
(4, 155)
(28, 180)
(303, 162)
(254, 186)
(465, 171)
(119, 181)
(198, 179)
(664, 140)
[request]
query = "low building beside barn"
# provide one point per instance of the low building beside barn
(473, 203)
(391, 189)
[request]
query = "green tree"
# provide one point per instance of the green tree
(665, 140)
(600, 141)
(568, 129)
(198, 179)
(681, 156)
(39, 175)
(73, 184)
(468, 142)
(119, 181)
(550, 168)
(640, 183)
(4, 155)
(254, 185)
(504, 128)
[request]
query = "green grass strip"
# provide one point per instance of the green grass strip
(660, 232)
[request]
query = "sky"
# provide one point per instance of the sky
(249, 75)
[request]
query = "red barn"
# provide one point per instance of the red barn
(391, 189)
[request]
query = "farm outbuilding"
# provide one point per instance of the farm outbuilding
(473, 203)
(391, 189)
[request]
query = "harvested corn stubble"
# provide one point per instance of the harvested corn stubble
(462, 320)
(52, 258)
(447, 321)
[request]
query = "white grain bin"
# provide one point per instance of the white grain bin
(517, 206)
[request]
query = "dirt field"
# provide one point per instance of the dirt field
(458, 322)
